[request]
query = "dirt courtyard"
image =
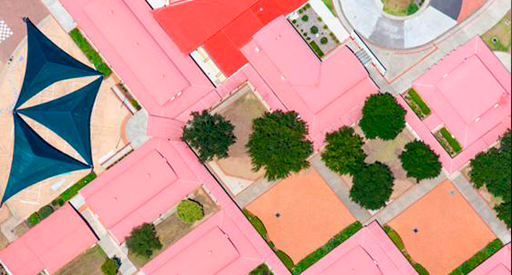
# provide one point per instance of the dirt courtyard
(301, 213)
(448, 233)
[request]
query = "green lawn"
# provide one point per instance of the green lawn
(498, 38)
(73, 190)
(417, 104)
(330, 6)
(478, 258)
(454, 144)
(90, 52)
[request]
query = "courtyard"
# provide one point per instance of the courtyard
(301, 213)
(456, 236)
(241, 109)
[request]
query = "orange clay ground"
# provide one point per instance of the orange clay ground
(450, 231)
(468, 8)
(310, 214)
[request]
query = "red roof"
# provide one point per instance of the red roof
(267, 10)
(225, 54)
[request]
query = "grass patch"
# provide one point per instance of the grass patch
(338, 239)
(397, 240)
(400, 8)
(256, 223)
(450, 144)
(87, 263)
(316, 49)
(478, 258)
(73, 190)
(287, 261)
(417, 104)
(498, 38)
(90, 53)
(330, 6)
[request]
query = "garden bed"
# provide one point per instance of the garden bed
(129, 96)
(401, 7)
(478, 258)
(417, 104)
(395, 238)
(90, 53)
(498, 38)
(172, 228)
(449, 143)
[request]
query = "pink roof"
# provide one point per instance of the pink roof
(140, 188)
(219, 244)
(469, 91)
(497, 264)
(297, 77)
(50, 245)
(368, 252)
(126, 34)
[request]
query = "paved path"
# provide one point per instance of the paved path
(407, 199)
(483, 210)
(430, 22)
(340, 188)
(253, 191)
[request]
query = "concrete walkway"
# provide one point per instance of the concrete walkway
(254, 190)
(483, 210)
(367, 18)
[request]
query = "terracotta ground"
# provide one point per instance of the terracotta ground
(310, 214)
(449, 230)
(468, 8)
(106, 120)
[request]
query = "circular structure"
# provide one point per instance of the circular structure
(433, 19)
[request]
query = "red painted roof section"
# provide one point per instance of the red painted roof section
(241, 30)
(224, 53)
(49, 245)
(267, 10)
(191, 23)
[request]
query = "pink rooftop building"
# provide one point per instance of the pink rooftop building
(50, 245)
(368, 252)
(469, 93)
(497, 264)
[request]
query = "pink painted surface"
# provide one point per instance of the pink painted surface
(469, 91)
(368, 252)
(163, 127)
(142, 54)
(217, 246)
(298, 77)
(49, 245)
(497, 264)
(140, 188)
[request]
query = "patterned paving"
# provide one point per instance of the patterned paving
(5, 31)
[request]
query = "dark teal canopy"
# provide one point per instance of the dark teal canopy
(34, 159)
(47, 64)
(69, 117)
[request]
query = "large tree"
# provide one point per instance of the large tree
(143, 240)
(383, 117)
(211, 135)
(372, 186)
(278, 143)
(344, 151)
(419, 161)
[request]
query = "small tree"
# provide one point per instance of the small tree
(372, 186)
(110, 266)
(344, 151)
(419, 161)
(504, 212)
(211, 135)
(383, 117)
(278, 143)
(143, 240)
(190, 211)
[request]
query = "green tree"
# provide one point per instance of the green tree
(419, 161)
(110, 266)
(504, 212)
(383, 117)
(190, 211)
(211, 135)
(143, 240)
(278, 143)
(344, 151)
(372, 186)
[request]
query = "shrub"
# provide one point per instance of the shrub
(45, 211)
(372, 186)
(256, 223)
(478, 258)
(419, 161)
(323, 40)
(344, 151)
(90, 53)
(262, 269)
(504, 212)
(393, 235)
(33, 219)
(278, 143)
(73, 190)
(314, 29)
(143, 240)
(420, 269)
(110, 267)
(305, 18)
(383, 117)
(58, 202)
(190, 211)
(210, 134)
(287, 261)
(412, 8)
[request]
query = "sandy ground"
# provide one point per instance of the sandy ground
(309, 214)
(106, 120)
(449, 230)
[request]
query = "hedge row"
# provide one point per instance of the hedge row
(90, 53)
(478, 258)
